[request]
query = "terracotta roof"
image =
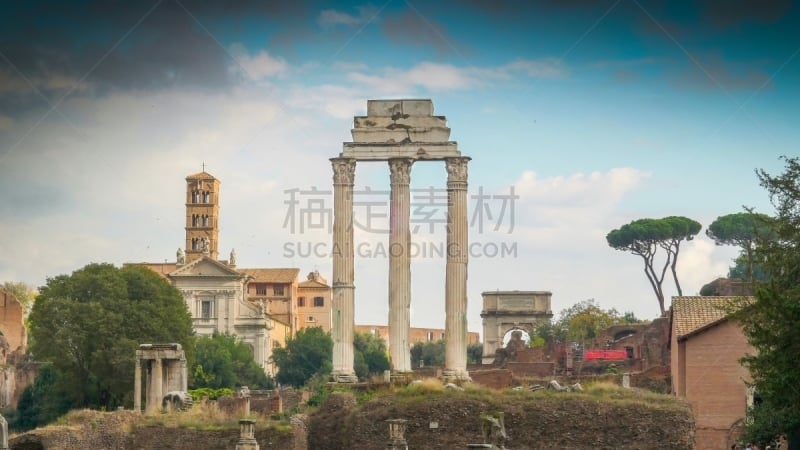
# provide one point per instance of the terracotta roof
(282, 275)
(694, 314)
(312, 284)
(201, 176)
(162, 269)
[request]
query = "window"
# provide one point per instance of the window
(261, 289)
(277, 289)
(301, 302)
(319, 302)
(310, 319)
(430, 335)
(206, 309)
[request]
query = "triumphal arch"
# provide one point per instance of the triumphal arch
(506, 311)
(402, 132)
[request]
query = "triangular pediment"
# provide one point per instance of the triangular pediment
(206, 267)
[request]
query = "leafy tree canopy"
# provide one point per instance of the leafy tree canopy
(371, 356)
(41, 402)
(586, 320)
(223, 361)
(90, 323)
(430, 353)
(770, 323)
(475, 353)
(308, 353)
(644, 238)
(741, 230)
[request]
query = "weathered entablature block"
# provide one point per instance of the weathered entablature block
(400, 129)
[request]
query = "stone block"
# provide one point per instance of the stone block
(412, 107)
(410, 121)
(400, 134)
(384, 152)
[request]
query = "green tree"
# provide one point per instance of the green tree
(90, 323)
(222, 360)
(771, 321)
(41, 402)
(308, 353)
(741, 230)
(744, 269)
(475, 353)
(431, 353)
(644, 237)
(586, 320)
(371, 355)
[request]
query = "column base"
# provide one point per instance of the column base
(455, 376)
(344, 377)
(403, 378)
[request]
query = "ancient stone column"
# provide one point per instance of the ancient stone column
(456, 269)
(247, 435)
(137, 385)
(156, 386)
(3, 434)
(399, 265)
(343, 308)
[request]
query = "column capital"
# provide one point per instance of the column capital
(344, 170)
(456, 169)
(400, 169)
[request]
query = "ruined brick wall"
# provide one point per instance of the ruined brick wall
(11, 322)
(493, 378)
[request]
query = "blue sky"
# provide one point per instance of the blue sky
(596, 112)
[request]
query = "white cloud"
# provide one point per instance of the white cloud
(258, 66)
(443, 77)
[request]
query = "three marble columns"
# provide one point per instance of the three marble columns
(400, 267)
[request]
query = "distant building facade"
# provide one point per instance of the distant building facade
(415, 335)
(314, 302)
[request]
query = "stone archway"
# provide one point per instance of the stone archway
(504, 311)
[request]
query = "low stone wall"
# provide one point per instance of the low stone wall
(451, 421)
(119, 430)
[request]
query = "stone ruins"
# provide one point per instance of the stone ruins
(400, 132)
(165, 371)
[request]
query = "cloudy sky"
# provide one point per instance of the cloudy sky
(583, 115)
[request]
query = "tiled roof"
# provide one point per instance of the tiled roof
(162, 269)
(310, 284)
(692, 314)
(279, 275)
(201, 176)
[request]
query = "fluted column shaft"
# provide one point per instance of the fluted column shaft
(456, 269)
(343, 309)
(400, 264)
(156, 386)
(137, 385)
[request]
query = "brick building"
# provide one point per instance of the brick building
(705, 348)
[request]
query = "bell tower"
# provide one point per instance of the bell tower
(202, 216)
